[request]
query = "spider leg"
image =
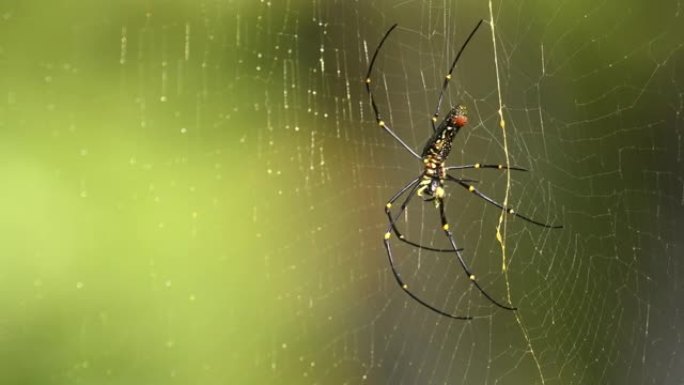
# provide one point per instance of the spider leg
(480, 165)
(471, 276)
(395, 272)
(447, 78)
(378, 117)
(393, 219)
(508, 210)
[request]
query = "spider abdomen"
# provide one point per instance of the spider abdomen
(438, 151)
(434, 173)
(439, 145)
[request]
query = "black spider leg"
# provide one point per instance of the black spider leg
(412, 185)
(395, 272)
(508, 210)
(378, 118)
(393, 220)
(471, 276)
(479, 165)
(447, 78)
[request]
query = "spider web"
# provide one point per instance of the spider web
(214, 212)
(592, 106)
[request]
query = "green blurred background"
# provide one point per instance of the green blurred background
(192, 192)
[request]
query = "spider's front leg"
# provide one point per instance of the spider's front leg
(464, 266)
(386, 241)
(413, 190)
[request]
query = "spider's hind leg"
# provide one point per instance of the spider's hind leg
(374, 105)
(448, 76)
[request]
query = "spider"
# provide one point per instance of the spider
(429, 185)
